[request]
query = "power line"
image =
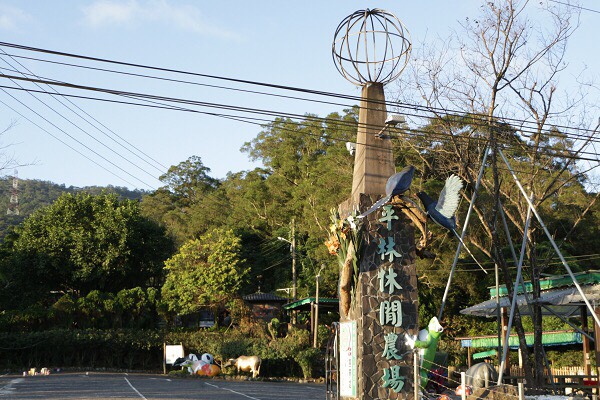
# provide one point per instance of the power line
(473, 118)
(73, 138)
(83, 130)
(412, 107)
(428, 133)
(96, 121)
(575, 6)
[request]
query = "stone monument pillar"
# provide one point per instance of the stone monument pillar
(375, 362)
(373, 157)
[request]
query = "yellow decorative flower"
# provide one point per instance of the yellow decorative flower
(332, 245)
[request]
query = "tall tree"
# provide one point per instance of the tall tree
(501, 70)
(205, 272)
(175, 205)
(82, 243)
(308, 170)
(189, 180)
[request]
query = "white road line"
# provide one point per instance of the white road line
(314, 388)
(232, 391)
(7, 389)
(135, 390)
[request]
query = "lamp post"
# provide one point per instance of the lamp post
(293, 251)
(390, 121)
(316, 322)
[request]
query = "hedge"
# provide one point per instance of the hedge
(142, 350)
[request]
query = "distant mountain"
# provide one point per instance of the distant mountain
(35, 194)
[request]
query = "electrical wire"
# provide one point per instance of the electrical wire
(248, 120)
(256, 111)
(413, 107)
(97, 123)
(87, 133)
(75, 139)
(575, 6)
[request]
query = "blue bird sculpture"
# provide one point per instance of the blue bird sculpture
(396, 185)
(441, 211)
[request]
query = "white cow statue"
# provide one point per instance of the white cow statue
(246, 364)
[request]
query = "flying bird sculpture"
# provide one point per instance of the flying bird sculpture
(396, 185)
(441, 211)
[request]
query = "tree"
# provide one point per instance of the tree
(82, 243)
(502, 72)
(205, 272)
(307, 172)
(189, 180)
(179, 204)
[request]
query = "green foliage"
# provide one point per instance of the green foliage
(188, 203)
(566, 357)
(204, 272)
(189, 180)
(308, 360)
(82, 243)
(117, 349)
(128, 308)
(36, 194)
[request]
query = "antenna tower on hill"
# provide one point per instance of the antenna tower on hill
(13, 205)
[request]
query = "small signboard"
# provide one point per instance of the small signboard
(348, 365)
(173, 352)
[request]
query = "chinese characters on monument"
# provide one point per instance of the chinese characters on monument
(390, 311)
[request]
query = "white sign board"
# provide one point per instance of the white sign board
(348, 349)
(172, 353)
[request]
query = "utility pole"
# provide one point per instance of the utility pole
(292, 243)
(316, 322)
(293, 250)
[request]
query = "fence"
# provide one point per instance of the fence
(516, 371)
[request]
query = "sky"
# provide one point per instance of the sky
(283, 43)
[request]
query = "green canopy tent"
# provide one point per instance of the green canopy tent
(559, 297)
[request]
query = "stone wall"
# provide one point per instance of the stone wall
(367, 304)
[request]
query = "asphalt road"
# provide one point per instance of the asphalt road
(151, 387)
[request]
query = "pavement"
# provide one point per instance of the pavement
(88, 386)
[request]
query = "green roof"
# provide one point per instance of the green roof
(548, 339)
(308, 300)
(484, 354)
(553, 282)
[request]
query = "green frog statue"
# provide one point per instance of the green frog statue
(427, 341)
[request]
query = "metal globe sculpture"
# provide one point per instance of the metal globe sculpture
(371, 46)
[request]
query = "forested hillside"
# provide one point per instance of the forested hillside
(35, 194)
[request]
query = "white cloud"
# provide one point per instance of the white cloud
(11, 18)
(189, 18)
(106, 12)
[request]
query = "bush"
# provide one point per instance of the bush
(142, 349)
(308, 359)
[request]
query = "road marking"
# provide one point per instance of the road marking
(232, 391)
(314, 388)
(160, 379)
(6, 389)
(135, 390)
